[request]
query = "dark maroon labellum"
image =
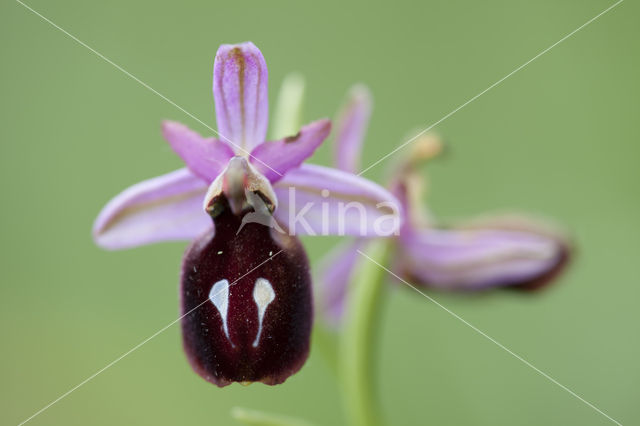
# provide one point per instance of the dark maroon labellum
(246, 301)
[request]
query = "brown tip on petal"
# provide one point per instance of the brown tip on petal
(540, 226)
(293, 138)
(543, 281)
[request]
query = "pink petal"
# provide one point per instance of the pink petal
(240, 92)
(167, 207)
(316, 200)
(274, 159)
(205, 157)
(520, 253)
(351, 129)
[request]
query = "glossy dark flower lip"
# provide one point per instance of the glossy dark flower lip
(258, 324)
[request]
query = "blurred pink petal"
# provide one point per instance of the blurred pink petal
(316, 200)
(205, 157)
(274, 159)
(167, 207)
(487, 254)
(334, 278)
(351, 128)
(240, 92)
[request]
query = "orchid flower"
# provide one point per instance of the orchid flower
(246, 298)
(513, 251)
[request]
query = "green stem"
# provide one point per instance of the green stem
(358, 339)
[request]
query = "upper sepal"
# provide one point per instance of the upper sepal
(240, 93)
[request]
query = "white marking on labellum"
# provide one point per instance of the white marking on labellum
(219, 296)
(263, 295)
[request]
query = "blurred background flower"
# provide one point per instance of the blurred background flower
(493, 251)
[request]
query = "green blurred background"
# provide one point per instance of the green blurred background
(557, 138)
